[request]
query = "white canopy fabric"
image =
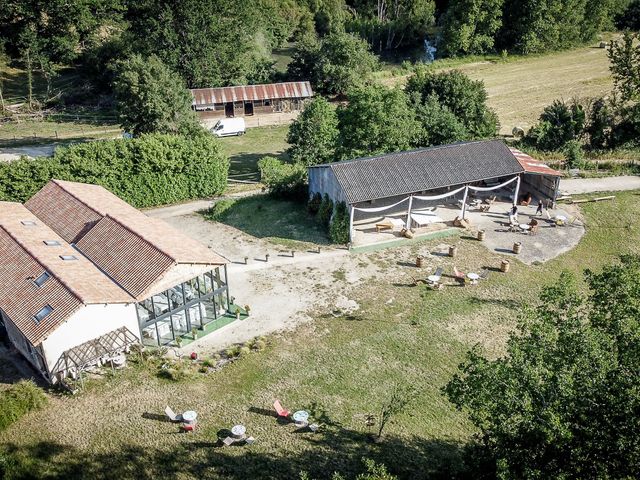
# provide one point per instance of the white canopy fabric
(487, 189)
(380, 209)
(439, 197)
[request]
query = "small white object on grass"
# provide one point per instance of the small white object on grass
(250, 440)
(314, 427)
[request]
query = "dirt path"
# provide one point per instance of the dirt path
(195, 206)
(575, 186)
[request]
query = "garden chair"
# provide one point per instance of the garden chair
(173, 416)
(282, 412)
(460, 276)
(227, 442)
(188, 427)
(484, 274)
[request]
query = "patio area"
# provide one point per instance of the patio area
(549, 241)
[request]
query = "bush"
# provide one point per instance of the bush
(325, 211)
(219, 209)
(283, 180)
(339, 228)
(18, 400)
(573, 154)
(313, 205)
(151, 170)
(559, 124)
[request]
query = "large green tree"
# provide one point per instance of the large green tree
(313, 135)
(151, 98)
(463, 97)
(335, 64)
(564, 400)
(376, 120)
(625, 68)
(210, 43)
(470, 26)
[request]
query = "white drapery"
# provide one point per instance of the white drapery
(487, 189)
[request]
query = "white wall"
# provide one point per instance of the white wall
(91, 321)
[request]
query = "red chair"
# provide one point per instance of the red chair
(282, 412)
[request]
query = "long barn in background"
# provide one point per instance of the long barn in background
(247, 100)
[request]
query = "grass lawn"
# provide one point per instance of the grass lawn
(519, 88)
(340, 369)
(245, 150)
(281, 222)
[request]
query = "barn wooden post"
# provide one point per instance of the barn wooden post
(463, 211)
(351, 224)
(408, 222)
(516, 192)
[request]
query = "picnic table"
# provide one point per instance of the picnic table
(525, 227)
(238, 431)
(189, 417)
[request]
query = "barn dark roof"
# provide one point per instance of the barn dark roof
(413, 171)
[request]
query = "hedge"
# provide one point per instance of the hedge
(146, 171)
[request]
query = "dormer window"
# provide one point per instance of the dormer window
(52, 243)
(42, 314)
(68, 258)
(28, 223)
(41, 279)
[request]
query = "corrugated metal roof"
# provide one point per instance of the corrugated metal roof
(531, 165)
(203, 97)
(404, 173)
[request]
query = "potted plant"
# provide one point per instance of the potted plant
(194, 332)
(179, 341)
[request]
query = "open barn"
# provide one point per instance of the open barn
(430, 187)
(248, 100)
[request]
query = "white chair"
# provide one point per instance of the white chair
(173, 416)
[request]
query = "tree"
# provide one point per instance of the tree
(210, 43)
(563, 402)
(600, 124)
(337, 63)
(151, 98)
(339, 226)
(439, 125)
(470, 26)
(463, 97)
(629, 19)
(376, 120)
(625, 66)
(313, 135)
(560, 123)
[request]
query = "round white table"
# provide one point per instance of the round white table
(238, 431)
(189, 417)
(433, 278)
(301, 417)
(525, 227)
(473, 277)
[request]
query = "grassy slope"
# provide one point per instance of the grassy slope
(338, 368)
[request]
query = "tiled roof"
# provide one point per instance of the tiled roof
(404, 173)
(203, 97)
(531, 165)
(129, 260)
(25, 257)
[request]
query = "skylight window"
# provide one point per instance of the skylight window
(44, 311)
(68, 258)
(41, 279)
(52, 243)
(28, 223)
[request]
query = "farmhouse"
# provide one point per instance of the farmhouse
(214, 103)
(411, 183)
(84, 275)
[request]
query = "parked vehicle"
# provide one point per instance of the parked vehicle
(229, 126)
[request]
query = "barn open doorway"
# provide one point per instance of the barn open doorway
(248, 108)
(228, 109)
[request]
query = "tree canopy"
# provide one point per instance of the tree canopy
(313, 135)
(563, 402)
(470, 26)
(151, 98)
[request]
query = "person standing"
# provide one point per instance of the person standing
(539, 209)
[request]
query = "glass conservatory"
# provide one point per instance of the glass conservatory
(197, 303)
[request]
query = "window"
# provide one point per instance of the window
(28, 223)
(52, 243)
(44, 311)
(68, 258)
(41, 279)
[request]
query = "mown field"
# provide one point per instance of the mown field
(339, 368)
(519, 88)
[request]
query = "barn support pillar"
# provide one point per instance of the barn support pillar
(351, 224)
(463, 210)
(408, 222)
(516, 192)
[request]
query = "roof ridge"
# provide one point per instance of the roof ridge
(139, 235)
(47, 268)
(251, 86)
(55, 181)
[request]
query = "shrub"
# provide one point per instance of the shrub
(325, 211)
(232, 352)
(219, 209)
(313, 205)
(339, 228)
(573, 154)
(559, 124)
(283, 180)
(147, 171)
(244, 350)
(18, 400)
